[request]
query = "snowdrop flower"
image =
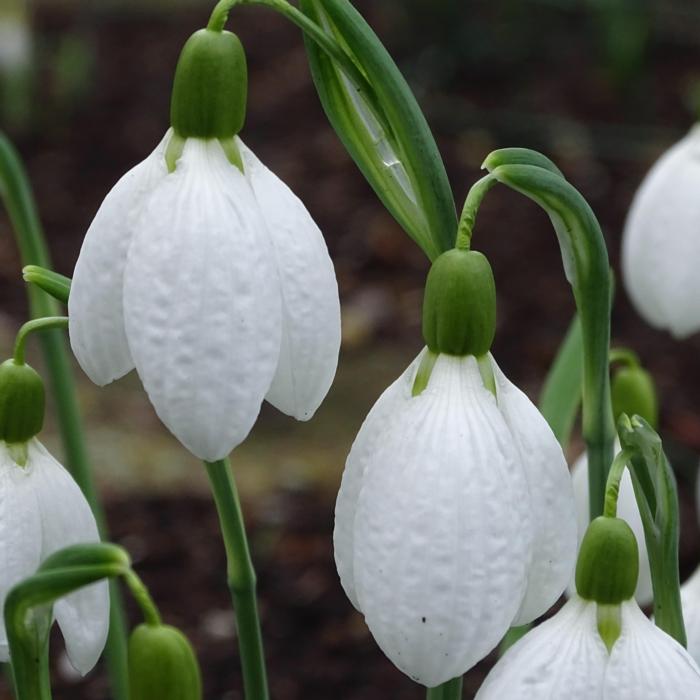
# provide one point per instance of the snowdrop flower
(15, 37)
(42, 510)
(690, 602)
(205, 272)
(455, 516)
(600, 644)
(660, 244)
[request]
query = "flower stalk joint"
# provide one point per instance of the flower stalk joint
(22, 402)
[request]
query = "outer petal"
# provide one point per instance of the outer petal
(627, 510)
(310, 304)
(551, 499)
(96, 316)
(648, 664)
(67, 519)
(660, 244)
(20, 532)
(202, 302)
(442, 531)
(564, 657)
(690, 600)
(365, 445)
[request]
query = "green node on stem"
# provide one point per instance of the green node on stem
(22, 402)
(633, 392)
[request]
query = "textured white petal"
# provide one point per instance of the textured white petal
(443, 531)
(20, 531)
(363, 448)
(202, 302)
(564, 657)
(551, 499)
(96, 316)
(647, 664)
(690, 601)
(626, 509)
(661, 246)
(83, 616)
(310, 304)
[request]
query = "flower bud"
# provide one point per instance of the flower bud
(211, 87)
(162, 664)
(633, 393)
(608, 562)
(459, 307)
(21, 402)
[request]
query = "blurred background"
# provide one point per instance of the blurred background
(601, 86)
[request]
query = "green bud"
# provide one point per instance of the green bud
(608, 562)
(211, 87)
(162, 664)
(21, 402)
(633, 393)
(459, 306)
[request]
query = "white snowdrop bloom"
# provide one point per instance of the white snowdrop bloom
(15, 37)
(42, 510)
(627, 510)
(455, 518)
(690, 602)
(660, 244)
(565, 657)
(216, 285)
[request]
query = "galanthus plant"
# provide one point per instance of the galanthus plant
(456, 517)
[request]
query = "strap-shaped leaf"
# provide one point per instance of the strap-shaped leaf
(53, 283)
(385, 132)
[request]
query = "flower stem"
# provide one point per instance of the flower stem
(37, 324)
(612, 487)
(143, 598)
(449, 690)
(474, 198)
(241, 579)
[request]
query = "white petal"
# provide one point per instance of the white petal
(310, 304)
(551, 498)
(66, 518)
(648, 664)
(660, 245)
(363, 448)
(202, 302)
(690, 601)
(442, 530)
(20, 531)
(564, 657)
(96, 316)
(626, 509)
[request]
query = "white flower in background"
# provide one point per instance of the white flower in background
(15, 36)
(42, 510)
(565, 657)
(627, 510)
(217, 286)
(690, 602)
(661, 246)
(455, 518)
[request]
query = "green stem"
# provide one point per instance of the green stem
(612, 487)
(471, 206)
(449, 690)
(150, 612)
(241, 579)
(37, 324)
(21, 207)
(624, 356)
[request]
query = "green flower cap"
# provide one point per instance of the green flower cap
(21, 402)
(633, 393)
(211, 87)
(459, 306)
(608, 562)
(162, 664)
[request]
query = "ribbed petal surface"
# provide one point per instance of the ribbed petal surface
(551, 499)
(626, 509)
(310, 304)
(371, 434)
(202, 302)
(66, 519)
(20, 531)
(564, 657)
(96, 315)
(648, 664)
(661, 246)
(690, 600)
(443, 529)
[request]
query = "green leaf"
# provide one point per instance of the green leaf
(53, 283)
(520, 156)
(385, 132)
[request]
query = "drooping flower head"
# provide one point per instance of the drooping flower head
(660, 245)
(42, 510)
(600, 645)
(205, 272)
(690, 599)
(455, 515)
